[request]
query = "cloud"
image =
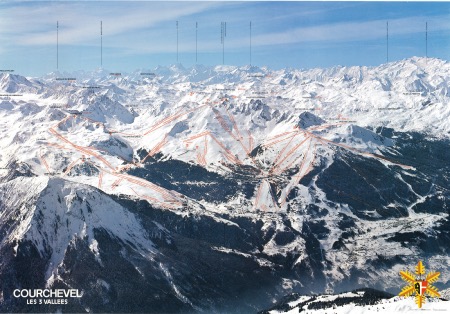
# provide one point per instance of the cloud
(353, 31)
(79, 23)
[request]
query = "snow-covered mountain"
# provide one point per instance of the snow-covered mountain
(222, 188)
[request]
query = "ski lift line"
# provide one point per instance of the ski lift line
(163, 192)
(158, 125)
(89, 152)
(100, 179)
(229, 131)
(289, 154)
(312, 160)
(227, 154)
(325, 126)
(44, 162)
(163, 123)
(62, 121)
(199, 159)
(156, 149)
(190, 139)
(205, 149)
(250, 141)
(202, 158)
(222, 122)
(280, 171)
(132, 179)
(71, 165)
(119, 175)
(282, 134)
(93, 121)
(169, 119)
(280, 153)
(81, 149)
(107, 152)
(299, 175)
(116, 183)
(170, 206)
(270, 144)
(236, 127)
(124, 167)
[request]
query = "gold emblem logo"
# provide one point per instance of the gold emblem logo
(419, 284)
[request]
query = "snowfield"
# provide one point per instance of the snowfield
(386, 306)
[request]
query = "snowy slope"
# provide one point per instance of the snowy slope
(359, 302)
(51, 213)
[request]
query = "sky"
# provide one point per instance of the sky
(143, 34)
